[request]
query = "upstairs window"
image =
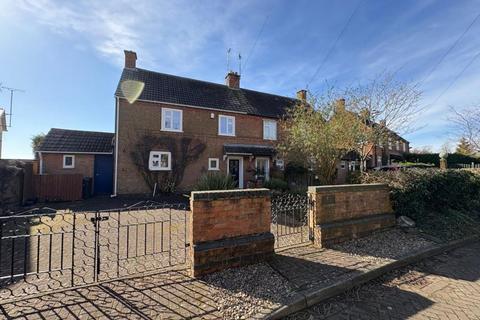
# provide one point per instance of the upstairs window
(226, 125)
(172, 120)
(160, 161)
(269, 130)
(68, 162)
(398, 145)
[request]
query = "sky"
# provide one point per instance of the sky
(67, 56)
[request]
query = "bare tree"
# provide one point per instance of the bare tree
(384, 106)
(467, 124)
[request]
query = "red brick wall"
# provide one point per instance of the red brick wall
(219, 216)
(229, 228)
(53, 164)
(144, 118)
(347, 211)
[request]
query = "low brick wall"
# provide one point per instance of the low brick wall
(344, 212)
(229, 229)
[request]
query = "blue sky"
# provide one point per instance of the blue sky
(68, 55)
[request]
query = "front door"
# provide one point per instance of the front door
(103, 170)
(235, 170)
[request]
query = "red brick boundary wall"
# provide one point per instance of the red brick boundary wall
(229, 229)
(343, 212)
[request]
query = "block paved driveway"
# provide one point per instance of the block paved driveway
(444, 287)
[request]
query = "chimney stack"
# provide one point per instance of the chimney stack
(232, 80)
(302, 95)
(340, 104)
(130, 59)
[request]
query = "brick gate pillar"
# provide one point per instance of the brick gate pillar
(341, 212)
(229, 229)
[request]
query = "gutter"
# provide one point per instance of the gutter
(115, 171)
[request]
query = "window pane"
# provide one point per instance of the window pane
(168, 119)
(223, 125)
(164, 161)
(229, 126)
(176, 120)
(68, 161)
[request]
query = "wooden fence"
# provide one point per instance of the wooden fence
(58, 187)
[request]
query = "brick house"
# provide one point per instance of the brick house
(160, 117)
(79, 152)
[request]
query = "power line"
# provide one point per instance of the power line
(451, 48)
(255, 42)
(334, 43)
(456, 78)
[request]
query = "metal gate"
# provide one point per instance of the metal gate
(290, 220)
(47, 251)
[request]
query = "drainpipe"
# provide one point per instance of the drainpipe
(40, 169)
(115, 172)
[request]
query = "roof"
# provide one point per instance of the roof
(75, 141)
(160, 87)
(3, 120)
(248, 149)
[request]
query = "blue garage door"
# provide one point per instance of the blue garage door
(103, 174)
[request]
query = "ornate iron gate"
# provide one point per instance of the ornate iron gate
(46, 251)
(290, 219)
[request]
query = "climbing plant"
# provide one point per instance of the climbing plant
(183, 152)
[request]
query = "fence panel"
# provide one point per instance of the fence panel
(58, 187)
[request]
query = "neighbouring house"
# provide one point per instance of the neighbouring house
(3, 127)
(87, 153)
(170, 130)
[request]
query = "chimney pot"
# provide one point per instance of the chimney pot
(232, 80)
(130, 59)
(340, 105)
(302, 95)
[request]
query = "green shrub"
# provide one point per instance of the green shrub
(215, 181)
(276, 184)
(434, 198)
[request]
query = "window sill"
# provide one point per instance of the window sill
(171, 130)
(226, 135)
(270, 139)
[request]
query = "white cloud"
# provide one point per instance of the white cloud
(163, 33)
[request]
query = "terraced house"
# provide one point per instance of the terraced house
(170, 130)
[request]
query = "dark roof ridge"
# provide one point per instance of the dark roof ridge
(74, 130)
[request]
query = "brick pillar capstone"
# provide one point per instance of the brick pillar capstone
(229, 229)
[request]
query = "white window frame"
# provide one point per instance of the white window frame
(267, 168)
(268, 121)
(397, 145)
(389, 144)
(73, 161)
(217, 167)
(220, 117)
(160, 153)
(343, 164)
(404, 147)
(164, 110)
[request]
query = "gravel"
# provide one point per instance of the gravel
(241, 293)
(390, 244)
